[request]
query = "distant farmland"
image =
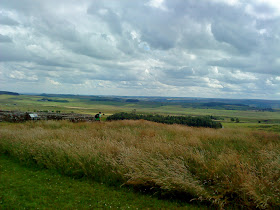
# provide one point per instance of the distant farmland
(110, 105)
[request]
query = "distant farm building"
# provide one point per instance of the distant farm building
(34, 116)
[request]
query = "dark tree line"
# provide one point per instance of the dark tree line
(183, 120)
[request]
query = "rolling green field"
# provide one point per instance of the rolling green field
(84, 105)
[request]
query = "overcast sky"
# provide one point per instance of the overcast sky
(188, 48)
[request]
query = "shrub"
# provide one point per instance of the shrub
(190, 121)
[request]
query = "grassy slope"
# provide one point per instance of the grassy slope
(225, 166)
(31, 187)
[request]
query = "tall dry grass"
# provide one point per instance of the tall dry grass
(226, 167)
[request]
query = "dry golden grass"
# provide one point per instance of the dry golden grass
(225, 166)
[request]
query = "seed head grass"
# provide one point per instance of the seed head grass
(235, 167)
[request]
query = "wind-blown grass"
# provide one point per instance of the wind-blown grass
(226, 167)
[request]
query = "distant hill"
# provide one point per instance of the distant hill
(97, 98)
(132, 100)
(216, 103)
(8, 93)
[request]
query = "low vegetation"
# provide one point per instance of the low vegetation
(183, 120)
(29, 187)
(53, 100)
(235, 167)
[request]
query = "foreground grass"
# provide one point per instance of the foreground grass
(23, 186)
(225, 167)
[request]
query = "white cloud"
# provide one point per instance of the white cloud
(17, 75)
(269, 82)
(230, 2)
(53, 82)
(215, 70)
(273, 3)
(243, 75)
(159, 4)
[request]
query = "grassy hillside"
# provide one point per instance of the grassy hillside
(236, 167)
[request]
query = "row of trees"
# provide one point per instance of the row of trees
(183, 120)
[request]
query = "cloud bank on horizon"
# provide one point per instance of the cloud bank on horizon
(194, 48)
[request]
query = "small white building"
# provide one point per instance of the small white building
(34, 116)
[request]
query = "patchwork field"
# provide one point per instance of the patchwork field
(86, 105)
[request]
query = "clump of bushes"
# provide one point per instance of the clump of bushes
(14, 117)
(205, 121)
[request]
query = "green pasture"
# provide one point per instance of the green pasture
(254, 126)
(84, 105)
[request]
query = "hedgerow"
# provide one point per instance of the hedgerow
(204, 121)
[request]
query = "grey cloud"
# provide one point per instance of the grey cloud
(4, 38)
(239, 37)
(263, 8)
(256, 64)
(96, 48)
(28, 7)
(157, 39)
(185, 73)
(150, 24)
(186, 82)
(128, 46)
(159, 35)
(5, 20)
(238, 63)
(112, 75)
(109, 16)
(45, 62)
(229, 25)
(10, 53)
(64, 77)
(58, 29)
(205, 11)
(179, 73)
(117, 73)
(270, 26)
(266, 68)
